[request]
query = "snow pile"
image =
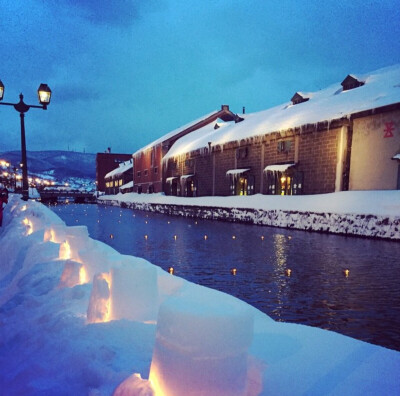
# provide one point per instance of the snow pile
(77, 317)
(363, 213)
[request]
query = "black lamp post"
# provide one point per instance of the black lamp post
(44, 95)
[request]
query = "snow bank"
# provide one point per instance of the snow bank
(362, 213)
(63, 331)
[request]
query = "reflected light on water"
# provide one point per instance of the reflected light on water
(365, 304)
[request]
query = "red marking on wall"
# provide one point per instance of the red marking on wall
(389, 128)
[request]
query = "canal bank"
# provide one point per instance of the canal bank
(374, 214)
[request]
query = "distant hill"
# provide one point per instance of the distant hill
(60, 164)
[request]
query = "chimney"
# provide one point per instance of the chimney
(244, 110)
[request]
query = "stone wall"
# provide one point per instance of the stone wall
(387, 227)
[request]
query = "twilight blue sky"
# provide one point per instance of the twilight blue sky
(125, 72)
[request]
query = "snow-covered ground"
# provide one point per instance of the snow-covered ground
(365, 213)
(78, 318)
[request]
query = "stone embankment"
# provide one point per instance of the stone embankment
(372, 226)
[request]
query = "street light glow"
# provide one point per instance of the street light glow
(44, 94)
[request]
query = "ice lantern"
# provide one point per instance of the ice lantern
(201, 346)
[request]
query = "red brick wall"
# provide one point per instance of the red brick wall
(150, 172)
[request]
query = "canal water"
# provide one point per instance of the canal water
(364, 305)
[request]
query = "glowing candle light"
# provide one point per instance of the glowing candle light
(146, 237)
(233, 271)
(205, 236)
(171, 270)
(29, 226)
(262, 237)
(175, 237)
(65, 251)
(233, 237)
(346, 272)
(111, 236)
(83, 277)
(288, 272)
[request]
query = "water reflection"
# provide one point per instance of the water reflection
(364, 305)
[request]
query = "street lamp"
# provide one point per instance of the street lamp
(44, 96)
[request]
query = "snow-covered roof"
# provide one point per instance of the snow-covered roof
(278, 168)
(126, 185)
(175, 132)
(381, 88)
(237, 171)
(122, 167)
(184, 177)
(169, 179)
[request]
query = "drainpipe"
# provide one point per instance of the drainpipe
(341, 157)
(262, 168)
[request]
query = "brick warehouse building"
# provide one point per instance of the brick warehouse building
(344, 137)
(120, 179)
(105, 163)
(147, 162)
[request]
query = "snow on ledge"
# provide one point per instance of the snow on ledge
(237, 171)
(184, 177)
(278, 168)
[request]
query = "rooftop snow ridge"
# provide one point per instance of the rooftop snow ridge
(326, 105)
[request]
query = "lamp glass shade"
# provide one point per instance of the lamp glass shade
(1, 90)
(44, 94)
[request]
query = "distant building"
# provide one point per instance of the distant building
(105, 163)
(120, 179)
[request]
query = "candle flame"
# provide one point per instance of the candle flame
(154, 381)
(65, 251)
(29, 226)
(83, 276)
(108, 314)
